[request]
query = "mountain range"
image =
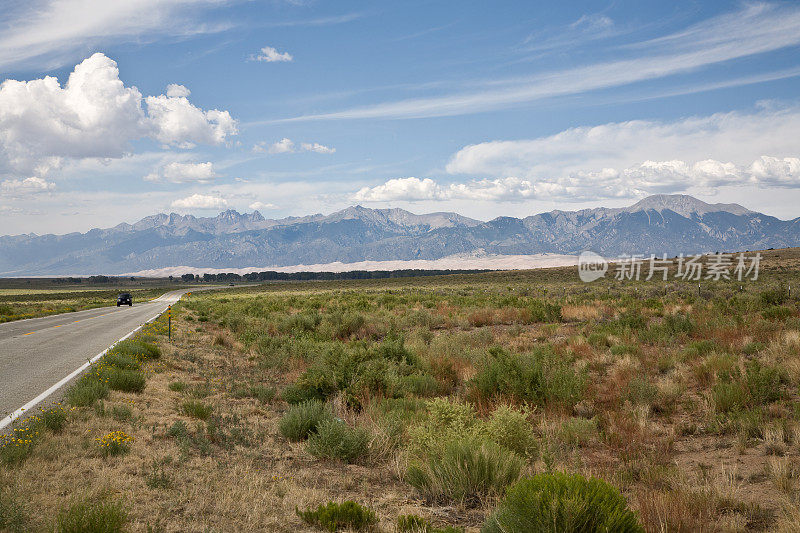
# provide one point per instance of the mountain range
(660, 224)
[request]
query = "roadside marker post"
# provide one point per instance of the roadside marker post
(169, 322)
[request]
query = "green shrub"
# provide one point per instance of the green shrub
(121, 360)
(763, 383)
(196, 409)
(87, 390)
(262, 393)
(177, 386)
(447, 420)
(302, 420)
(562, 503)
(87, 517)
(54, 418)
(511, 429)
(334, 439)
(729, 396)
(122, 413)
(540, 377)
(138, 348)
(541, 311)
(335, 516)
(313, 384)
(700, 348)
(465, 471)
(773, 297)
(123, 380)
(777, 313)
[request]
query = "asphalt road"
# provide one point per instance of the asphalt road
(37, 353)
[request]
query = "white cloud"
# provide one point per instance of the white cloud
(288, 146)
(649, 177)
(284, 146)
(200, 201)
(51, 32)
(175, 90)
(262, 205)
(179, 123)
(271, 55)
(318, 148)
(736, 137)
(409, 189)
(754, 29)
(94, 115)
(26, 186)
(177, 172)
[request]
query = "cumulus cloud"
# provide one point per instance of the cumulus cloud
(176, 172)
(271, 55)
(177, 122)
(94, 115)
(288, 146)
(409, 189)
(262, 205)
(649, 177)
(26, 186)
(175, 90)
(200, 201)
(738, 137)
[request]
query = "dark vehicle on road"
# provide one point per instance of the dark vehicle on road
(124, 299)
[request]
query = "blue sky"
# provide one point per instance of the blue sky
(298, 107)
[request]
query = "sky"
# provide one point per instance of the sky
(113, 111)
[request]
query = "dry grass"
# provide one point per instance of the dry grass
(646, 419)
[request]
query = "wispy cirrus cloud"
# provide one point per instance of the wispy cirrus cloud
(752, 30)
(52, 32)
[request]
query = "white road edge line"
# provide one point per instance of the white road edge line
(33, 403)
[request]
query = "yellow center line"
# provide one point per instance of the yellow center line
(31, 333)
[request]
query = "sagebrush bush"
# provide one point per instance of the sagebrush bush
(89, 517)
(303, 419)
(465, 471)
(123, 380)
(335, 516)
(138, 348)
(121, 360)
(542, 311)
(334, 439)
(196, 409)
(540, 377)
(562, 503)
(446, 420)
(511, 429)
(87, 390)
(54, 418)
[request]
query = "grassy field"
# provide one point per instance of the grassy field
(19, 300)
(508, 401)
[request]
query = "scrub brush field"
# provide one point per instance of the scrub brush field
(501, 401)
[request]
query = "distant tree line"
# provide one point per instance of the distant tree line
(271, 275)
